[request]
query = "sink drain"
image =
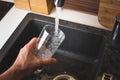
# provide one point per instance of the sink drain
(64, 76)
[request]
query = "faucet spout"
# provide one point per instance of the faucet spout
(59, 3)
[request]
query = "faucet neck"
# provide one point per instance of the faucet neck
(116, 31)
(59, 3)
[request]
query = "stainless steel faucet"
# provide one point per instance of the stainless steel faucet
(116, 30)
(59, 3)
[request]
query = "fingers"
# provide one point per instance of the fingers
(47, 61)
(31, 46)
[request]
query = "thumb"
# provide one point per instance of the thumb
(32, 43)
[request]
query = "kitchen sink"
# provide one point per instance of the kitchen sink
(79, 55)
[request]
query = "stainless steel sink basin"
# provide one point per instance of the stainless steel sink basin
(80, 54)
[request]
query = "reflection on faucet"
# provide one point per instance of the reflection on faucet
(116, 32)
(59, 3)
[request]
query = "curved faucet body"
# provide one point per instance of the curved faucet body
(116, 30)
(59, 3)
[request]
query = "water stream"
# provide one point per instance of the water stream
(58, 11)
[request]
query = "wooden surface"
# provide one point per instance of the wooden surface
(108, 9)
(23, 4)
(41, 6)
(87, 6)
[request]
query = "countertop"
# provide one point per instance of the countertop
(13, 18)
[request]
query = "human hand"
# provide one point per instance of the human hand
(26, 62)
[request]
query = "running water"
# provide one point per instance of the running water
(58, 11)
(48, 42)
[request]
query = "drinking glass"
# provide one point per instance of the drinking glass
(49, 41)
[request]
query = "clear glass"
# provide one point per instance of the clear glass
(49, 41)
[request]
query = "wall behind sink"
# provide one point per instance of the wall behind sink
(88, 6)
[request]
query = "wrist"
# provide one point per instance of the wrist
(12, 73)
